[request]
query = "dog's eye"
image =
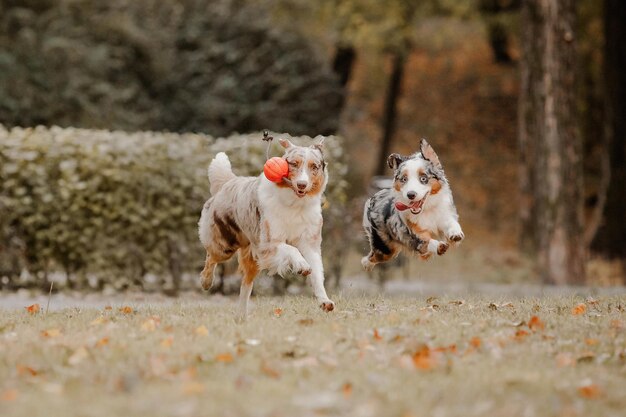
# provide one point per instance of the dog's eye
(423, 179)
(293, 164)
(403, 179)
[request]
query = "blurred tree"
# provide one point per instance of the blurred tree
(610, 236)
(496, 14)
(551, 169)
(214, 66)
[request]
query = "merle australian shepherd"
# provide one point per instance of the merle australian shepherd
(276, 227)
(417, 214)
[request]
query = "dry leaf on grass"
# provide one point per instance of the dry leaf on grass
(51, 333)
(346, 389)
(377, 336)
(224, 357)
(9, 395)
(23, 370)
(564, 359)
(102, 342)
(579, 309)
(617, 324)
(590, 391)
(33, 309)
(167, 342)
(591, 341)
(98, 321)
(278, 312)
(78, 356)
(535, 324)
(126, 310)
(269, 370)
(424, 359)
(305, 322)
(520, 335)
(475, 342)
(201, 331)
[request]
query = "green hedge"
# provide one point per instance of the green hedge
(109, 208)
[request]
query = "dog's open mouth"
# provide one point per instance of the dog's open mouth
(300, 193)
(416, 207)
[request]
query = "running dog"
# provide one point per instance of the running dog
(276, 227)
(410, 215)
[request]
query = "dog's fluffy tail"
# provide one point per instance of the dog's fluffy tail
(220, 172)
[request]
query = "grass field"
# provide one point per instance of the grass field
(469, 356)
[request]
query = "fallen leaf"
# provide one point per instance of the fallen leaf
(193, 388)
(98, 321)
(590, 391)
(305, 322)
(108, 308)
(579, 309)
(457, 302)
(431, 299)
(492, 306)
(51, 333)
(564, 359)
(167, 342)
(149, 325)
(102, 342)
(617, 324)
(535, 324)
(78, 356)
(475, 342)
(377, 336)
(346, 390)
(423, 359)
(520, 335)
(269, 371)
(201, 331)
(586, 357)
(591, 342)
(33, 309)
(25, 370)
(224, 357)
(9, 395)
(126, 310)
(278, 312)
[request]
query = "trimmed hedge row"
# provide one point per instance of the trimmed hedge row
(110, 208)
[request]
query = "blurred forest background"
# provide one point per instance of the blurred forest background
(522, 99)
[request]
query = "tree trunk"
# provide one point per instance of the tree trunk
(551, 173)
(610, 236)
(390, 110)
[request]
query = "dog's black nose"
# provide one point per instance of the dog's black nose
(411, 195)
(301, 185)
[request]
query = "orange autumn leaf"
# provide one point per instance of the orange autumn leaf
(201, 331)
(167, 342)
(224, 357)
(269, 371)
(347, 390)
(25, 370)
(591, 342)
(423, 359)
(475, 342)
(33, 309)
(579, 309)
(51, 333)
(278, 312)
(377, 336)
(9, 395)
(590, 391)
(102, 342)
(126, 310)
(108, 308)
(535, 324)
(520, 335)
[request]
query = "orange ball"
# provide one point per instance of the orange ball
(275, 169)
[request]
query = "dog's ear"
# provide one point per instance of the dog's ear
(285, 143)
(394, 160)
(319, 145)
(428, 153)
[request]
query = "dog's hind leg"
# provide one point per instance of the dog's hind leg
(249, 270)
(210, 262)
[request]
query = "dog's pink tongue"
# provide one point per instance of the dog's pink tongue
(401, 206)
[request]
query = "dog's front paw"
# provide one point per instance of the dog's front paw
(442, 248)
(455, 234)
(327, 306)
(302, 267)
(367, 264)
(206, 279)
